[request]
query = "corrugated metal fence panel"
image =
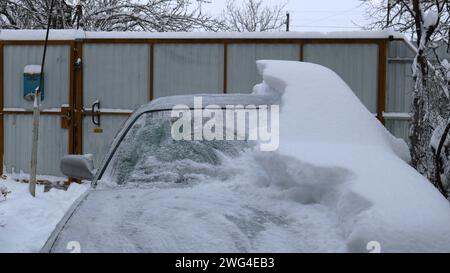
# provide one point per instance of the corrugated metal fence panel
(443, 51)
(118, 75)
(357, 64)
(399, 49)
(400, 82)
(400, 87)
(56, 83)
(53, 142)
(399, 128)
(241, 69)
(98, 144)
(188, 69)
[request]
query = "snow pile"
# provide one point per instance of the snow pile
(322, 122)
(26, 222)
(32, 69)
(257, 202)
(23, 177)
(3, 192)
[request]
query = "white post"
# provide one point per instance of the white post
(34, 145)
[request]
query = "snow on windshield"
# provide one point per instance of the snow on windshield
(150, 154)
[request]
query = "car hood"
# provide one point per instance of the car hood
(246, 212)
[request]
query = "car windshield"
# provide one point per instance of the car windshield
(149, 153)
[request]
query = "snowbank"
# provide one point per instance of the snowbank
(26, 222)
(323, 123)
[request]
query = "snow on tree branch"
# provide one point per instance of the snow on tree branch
(107, 15)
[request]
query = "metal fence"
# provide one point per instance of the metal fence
(123, 73)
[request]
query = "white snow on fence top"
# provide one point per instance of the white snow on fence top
(32, 69)
(80, 34)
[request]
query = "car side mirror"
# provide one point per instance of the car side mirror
(78, 166)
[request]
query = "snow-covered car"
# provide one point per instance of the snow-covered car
(339, 181)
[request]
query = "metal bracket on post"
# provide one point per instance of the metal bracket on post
(66, 117)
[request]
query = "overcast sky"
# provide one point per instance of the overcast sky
(315, 15)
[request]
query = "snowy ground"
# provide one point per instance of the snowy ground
(26, 222)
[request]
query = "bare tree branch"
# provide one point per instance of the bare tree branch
(252, 15)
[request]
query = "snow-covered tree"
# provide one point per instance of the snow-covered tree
(398, 15)
(106, 15)
(427, 21)
(253, 15)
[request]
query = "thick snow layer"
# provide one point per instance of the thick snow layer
(26, 222)
(79, 34)
(32, 69)
(386, 200)
(259, 202)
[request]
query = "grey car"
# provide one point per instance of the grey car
(155, 194)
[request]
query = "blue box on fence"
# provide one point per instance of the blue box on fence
(30, 83)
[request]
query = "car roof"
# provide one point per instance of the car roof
(221, 100)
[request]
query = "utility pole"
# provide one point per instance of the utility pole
(288, 21)
(200, 2)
